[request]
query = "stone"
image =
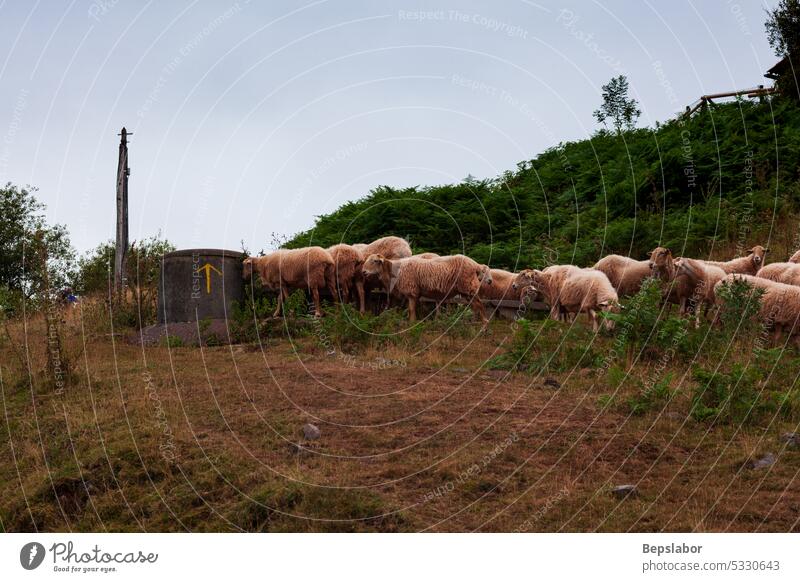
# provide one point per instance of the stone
(791, 439)
(624, 491)
(763, 462)
(552, 383)
(311, 432)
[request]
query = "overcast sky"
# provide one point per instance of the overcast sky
(251, 119)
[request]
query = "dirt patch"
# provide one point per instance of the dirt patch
(210, 332)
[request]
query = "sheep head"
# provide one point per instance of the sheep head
(374, 266)
(756, 255)
(527, 279)
(662, 264)
(484, 274)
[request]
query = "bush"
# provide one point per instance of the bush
(728, 397)
(740, 304)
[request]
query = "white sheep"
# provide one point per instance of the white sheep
(438, 278)
(625, 274)
(572, 290)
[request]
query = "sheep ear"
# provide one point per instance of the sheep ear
(766, 250)
(668, 250)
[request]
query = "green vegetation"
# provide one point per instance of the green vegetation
(711, 180)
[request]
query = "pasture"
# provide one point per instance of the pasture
(444, 424)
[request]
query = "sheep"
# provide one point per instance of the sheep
(307, 268)
(795, 258)
(348, 261)
(788, 273)
(690, 281)
(747, 265)
(439, 278)
(624, 273)
(426, 256)
(500, 288)
(390, 247)
(780, 303)
(700, 281)
(574, 290)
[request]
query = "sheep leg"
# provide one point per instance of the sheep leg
(317, 306)
(593, 316)
(345, 293)
(412, 309)
(477, 307)
(331, 285)
(277, 312)
(360, 292)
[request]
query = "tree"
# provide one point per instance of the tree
(622, 112)
(783, 28)
(25, 237)
(142, 274)
(783, 34)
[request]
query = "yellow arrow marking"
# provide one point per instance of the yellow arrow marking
(208, 268)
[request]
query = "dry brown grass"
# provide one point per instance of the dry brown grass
(443, 444)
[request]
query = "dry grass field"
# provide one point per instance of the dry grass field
(427, 433)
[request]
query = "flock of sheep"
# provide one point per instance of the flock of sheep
(389, 264)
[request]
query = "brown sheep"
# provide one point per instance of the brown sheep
(690, 281)
(440, 278)
(391, 247)
(426, 256)
(780, 303)
(747, 265)
(309, 268)
(625, 274)
(348, 261)
(574, 290)
(701, 279)
(788, 273)
(795, 258)
(501, 287)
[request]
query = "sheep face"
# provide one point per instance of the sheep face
(373, 266)
(529, 279)
(756, 254)
(484, 275)
(662, 262)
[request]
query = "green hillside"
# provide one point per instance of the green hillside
(712, 184)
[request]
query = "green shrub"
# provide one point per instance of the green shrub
(728, 397)
(740, 304)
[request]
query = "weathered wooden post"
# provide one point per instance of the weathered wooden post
(121, 251)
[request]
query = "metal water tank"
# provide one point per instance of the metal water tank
(198, 284)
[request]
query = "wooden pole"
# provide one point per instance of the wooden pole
(121, 251)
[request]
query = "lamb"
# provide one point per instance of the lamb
(788, 273)
(574, 290)
(780, 303)
(348, 261)
(625, 274)
(307, 268)
(439, 278)
(795, 258)
(748, 265)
